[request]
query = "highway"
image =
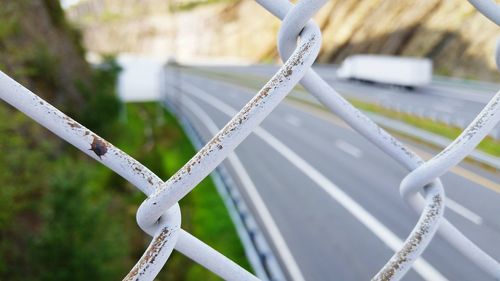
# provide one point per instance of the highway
(330, 195)
(451, 101)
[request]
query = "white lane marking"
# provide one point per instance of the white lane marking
(269, 223)
(349, 148)
(293, 120)
(421, 266)
(463, 211)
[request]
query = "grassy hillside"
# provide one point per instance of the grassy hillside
(54, 222)
(62, 215)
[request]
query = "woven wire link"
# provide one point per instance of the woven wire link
(160, 216)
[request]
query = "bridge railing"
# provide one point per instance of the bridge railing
(160, 216)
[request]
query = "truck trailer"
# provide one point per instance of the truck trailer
(405, 72)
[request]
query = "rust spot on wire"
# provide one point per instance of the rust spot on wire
(474, 127)
(398, 261)
(149, 256)
(216, 144)
(74, 125)
(99, 147)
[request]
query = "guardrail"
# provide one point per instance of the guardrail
(159, 215)
(257, 248)
(412, 131)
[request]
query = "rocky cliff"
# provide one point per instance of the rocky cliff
(451, 32)
(42, 51)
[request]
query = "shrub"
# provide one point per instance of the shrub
(79, 240)
(102, 103)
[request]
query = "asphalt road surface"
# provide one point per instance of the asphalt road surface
(333, 196)
(451, 101)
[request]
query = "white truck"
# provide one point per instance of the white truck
(405, 72)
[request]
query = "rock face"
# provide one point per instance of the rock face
(41, 50)
(151, 28)
(459, 39)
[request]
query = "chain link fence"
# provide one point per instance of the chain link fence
(160, 216)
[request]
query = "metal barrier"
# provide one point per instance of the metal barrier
(160, 216)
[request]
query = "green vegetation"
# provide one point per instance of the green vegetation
(488, 145)
(43, 51)
(78, 240)
(443, 70)
(108, 16)
(62, 215)
(101, 103)
(66, 213)
(24, 150)
(56, 13)
(164, 149)
(9, 24)
(41, 65)
(55, 221)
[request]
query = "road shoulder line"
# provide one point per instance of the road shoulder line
(421, 266)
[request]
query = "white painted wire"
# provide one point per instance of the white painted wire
(160, 216)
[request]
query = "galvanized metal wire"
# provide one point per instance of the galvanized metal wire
(160, 216)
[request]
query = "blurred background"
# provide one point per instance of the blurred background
(112, 64)
(448, 32)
